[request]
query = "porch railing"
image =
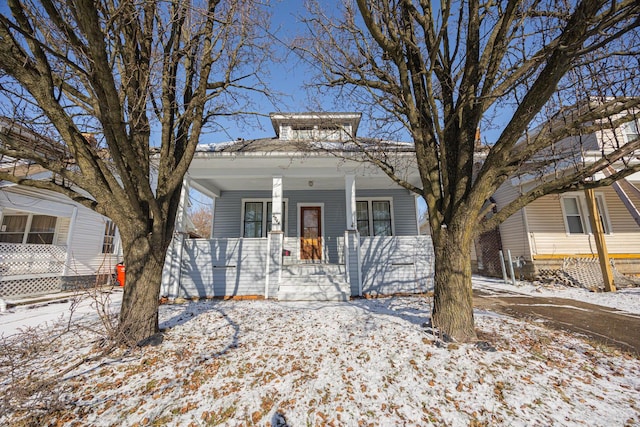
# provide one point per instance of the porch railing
(30, 260)
(393, 264)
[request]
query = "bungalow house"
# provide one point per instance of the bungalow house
(302, 216)
(555, 228)
(48, 242)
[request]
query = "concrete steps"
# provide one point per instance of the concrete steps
(313, 282)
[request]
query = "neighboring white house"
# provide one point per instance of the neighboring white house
(556, 227)
(300, 216)
(48, 242)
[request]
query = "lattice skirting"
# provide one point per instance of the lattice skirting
(26, 287)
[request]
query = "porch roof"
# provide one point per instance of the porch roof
(304, 165)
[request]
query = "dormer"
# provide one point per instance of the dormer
(315, 126)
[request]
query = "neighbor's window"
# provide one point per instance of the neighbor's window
(631, 130)
(572, 215)
(374, 217)
(574, 206)
(108, 243)
(602, 212)
(39, 229)
(13, 228)
(42, 230)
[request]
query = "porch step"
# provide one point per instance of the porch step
(296, 270)
(313, 282)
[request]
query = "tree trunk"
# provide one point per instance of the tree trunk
(139, 312)
(453, 300)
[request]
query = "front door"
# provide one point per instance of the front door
(311, 232)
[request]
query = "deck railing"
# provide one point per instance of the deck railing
(393, 264)
(30, 260)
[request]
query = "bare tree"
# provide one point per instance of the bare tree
(123, 90)
(202, 218)
(543, 72)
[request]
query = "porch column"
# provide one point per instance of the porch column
(275, 243)
(352, 261)
(70, 231)
(350, 198)
(173, 260)
(183, 206)
(276, 205)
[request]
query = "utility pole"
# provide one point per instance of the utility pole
(601, 245)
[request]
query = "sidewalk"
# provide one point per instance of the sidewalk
(602, 324)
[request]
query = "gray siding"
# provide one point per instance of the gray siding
(396, 264)
(223, 267)
(404, 209)
(228, 211)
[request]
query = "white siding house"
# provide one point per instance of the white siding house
(50, 243)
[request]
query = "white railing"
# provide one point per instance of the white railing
(30, 259)
(396, 264)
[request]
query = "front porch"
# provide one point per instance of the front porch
(268, 268)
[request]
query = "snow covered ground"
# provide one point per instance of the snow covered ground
(625, 299)
(365, 362)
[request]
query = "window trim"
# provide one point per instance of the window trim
(114, 238)
(626, 128)
(27, 227)
(370, 201)
(583, 210)
(264, 202)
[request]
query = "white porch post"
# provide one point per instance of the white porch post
(275, 241)
(173, 260)
(276, 205)
(352, 237)
(183, 206)
(350, 198)
(213, 215)
(70, 231)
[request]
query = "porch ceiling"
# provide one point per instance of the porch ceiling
(255, 173)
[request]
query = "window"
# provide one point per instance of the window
(631, 131)
(253, 219)
(257, 218)
(573, 208)
(374, 217)
(362, 215)
(108, 243)
(601, 211)
(37, 229)
(43, 228)
(572, 215)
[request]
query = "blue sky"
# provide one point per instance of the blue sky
(287, 77)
